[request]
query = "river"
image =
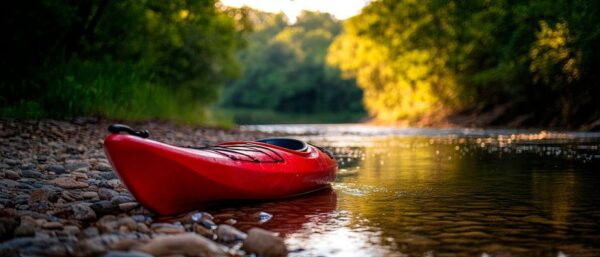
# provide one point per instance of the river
(445, 192)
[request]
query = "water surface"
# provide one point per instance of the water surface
(451, 192)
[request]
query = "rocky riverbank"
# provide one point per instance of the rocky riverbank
(60, 197)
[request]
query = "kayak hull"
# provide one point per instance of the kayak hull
(168, 179)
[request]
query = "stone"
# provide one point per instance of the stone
(107, 223)
(262, 216)
(25, 230)
(119, 199)
(108, 175)
(73, 166)
(68, 183)
(167, 228)
(126, 254)
(83, 211)
(40, 195)
(227, 233)
(102, 166)
(103, 207)
(209, 224)
(94, 246)
(204, 231)
(71, 229)
(11, 162)
(128, 206)
(31, 174)
(52, 225)
(264, 243)
(33, 246)
(11, 174)
(187, 244)
(127, 222)
(107, 194)
(89, 195)
(56, 168)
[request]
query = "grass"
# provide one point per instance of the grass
(107, 89)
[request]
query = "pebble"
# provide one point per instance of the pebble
(126, 254)
(11, 174)
(56, 168)
(82, 211)
(227, 233)
(40, 195)
(101, 166)
(167, 228)
(25, 230)
(73, 166)
(52, 225)
(68, 183)
(264, 243)
(106, 194)
(89, 195)
(31, 174)
(119, 199)
(186, 244)
(128, 206)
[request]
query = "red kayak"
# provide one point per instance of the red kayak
(170, 179)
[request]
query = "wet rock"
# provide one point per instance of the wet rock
(82, 211)
(167, 228)
(264, 243)
(262, 216)
(25, 230)
(187, 244)
(68, 183)
(126, 254)
(56, 168)
(204, 231)
(227, 233)
(209, 224)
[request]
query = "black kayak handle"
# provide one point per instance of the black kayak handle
(118, 128)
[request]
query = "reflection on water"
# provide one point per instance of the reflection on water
(504, 193)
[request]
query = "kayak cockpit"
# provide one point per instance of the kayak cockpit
(289, 143)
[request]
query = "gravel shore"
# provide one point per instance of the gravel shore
(60, 197)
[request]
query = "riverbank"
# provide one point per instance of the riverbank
(60, 197)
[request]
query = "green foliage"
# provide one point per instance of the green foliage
(120, 59)
(285, 69)
(536, 58)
